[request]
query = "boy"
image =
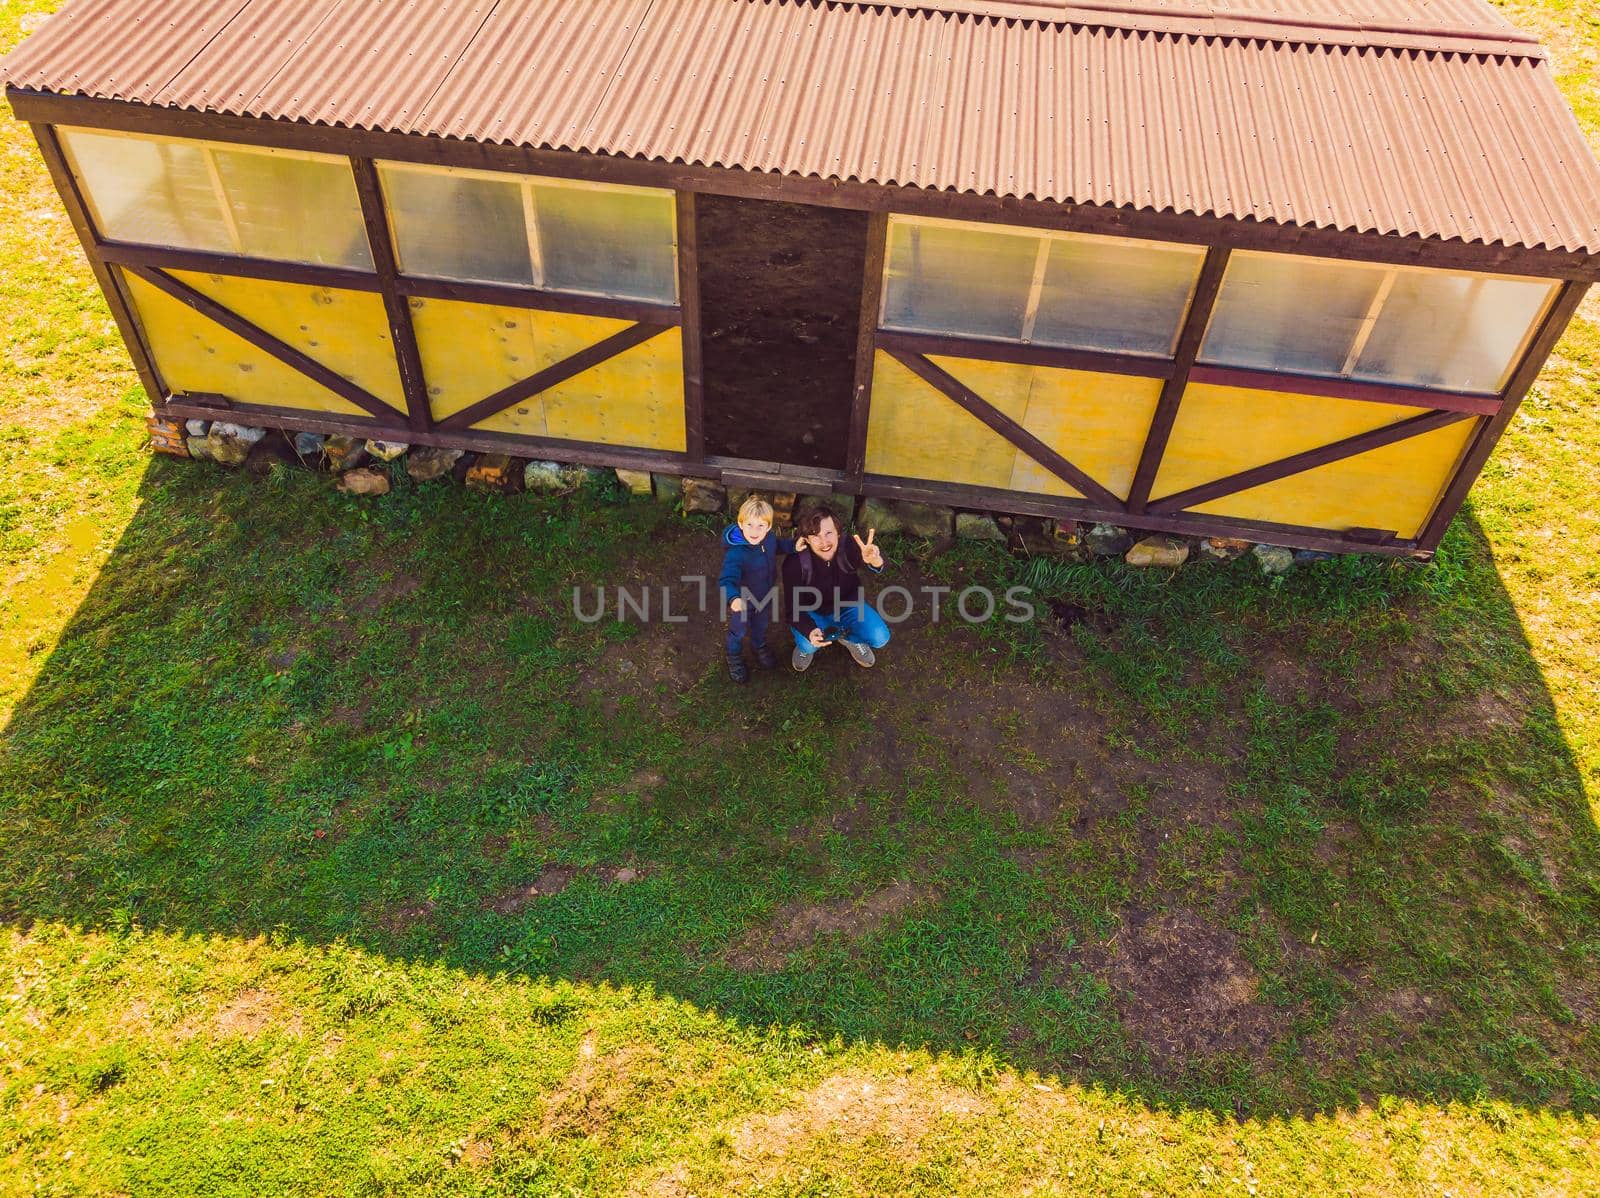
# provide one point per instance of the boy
(748, 583)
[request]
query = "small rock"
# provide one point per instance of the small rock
(1274, 559)
(1108, 540)
(231, 443)
(974, 526)
(1223, 549)
(197, 428)
(430, 462)
(1170, 552)
(625, 875)
(703, 495)
(1302, 556)
(637, 481)
(167, 436)
(343, 453)
(491, 472)
(199, 447)
(543, 478)
(309, 445)
(900, 515)
(364, 481)
(386, 451)
(668, 488)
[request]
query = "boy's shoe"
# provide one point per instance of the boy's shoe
(764, 657)
(801, 660)
(862, 652)
(737, 670)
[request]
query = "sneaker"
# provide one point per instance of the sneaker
(737, 670)
(861, 652)
(764, 657)
(801, 660)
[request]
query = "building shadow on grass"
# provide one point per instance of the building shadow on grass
(1209, 840)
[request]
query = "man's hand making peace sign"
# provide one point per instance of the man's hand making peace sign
(870, 553)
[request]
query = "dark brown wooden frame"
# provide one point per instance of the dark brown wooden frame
(1220, 236)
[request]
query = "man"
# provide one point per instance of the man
(822, 593)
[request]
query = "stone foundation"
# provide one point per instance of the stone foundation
(367, 469)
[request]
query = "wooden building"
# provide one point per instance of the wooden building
(1276, 269)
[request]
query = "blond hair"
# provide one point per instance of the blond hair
(755, 508)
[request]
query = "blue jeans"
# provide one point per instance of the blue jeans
(752, 619)
(858, 622)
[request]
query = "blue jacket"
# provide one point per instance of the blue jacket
(748, 567)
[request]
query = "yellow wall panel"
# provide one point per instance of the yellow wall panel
(470, 351)
(916, 431)
(346, 331)
(1224, 430)
(635, 398)
(1394, 487)
(1097, 422)
(199, 356)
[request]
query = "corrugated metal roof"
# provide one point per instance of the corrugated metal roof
(1290, 123)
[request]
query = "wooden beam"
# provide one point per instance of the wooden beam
(201, 262)
(589, 453)
(855, 455)
(550, 376)
(1489, 434)
(1229, 232)
(506, 295)
(1166, 414)
(992, 499)
(1095, 361)
(413, 382)
(121, 305)
(1306, 384)
(1006, 427)
(694, 422)
(1322, 455)
(263, 340)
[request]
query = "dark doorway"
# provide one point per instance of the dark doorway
(780, 310)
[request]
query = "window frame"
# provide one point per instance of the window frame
(1046, 238)
(1369, 322)
(527, 186)
(207, 149)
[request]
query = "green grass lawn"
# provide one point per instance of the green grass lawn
(336, 856)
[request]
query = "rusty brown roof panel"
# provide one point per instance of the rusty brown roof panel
(1477, 147)
(1463, 25)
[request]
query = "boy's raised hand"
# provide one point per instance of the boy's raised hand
(870, 553)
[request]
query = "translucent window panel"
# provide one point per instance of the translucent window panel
(612, 241)
(1457, 332)
(969, 281)
(156, 192)
(458, 226)
(1277, 312)
(1120, 296)
(294, 208)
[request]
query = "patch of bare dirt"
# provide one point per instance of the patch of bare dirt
(853, 1106)
(402, 919)
(1182, 989)
(1487, 709)
(799, 925)
(249, 1014)
(1285, 677)
(1378, 1018)
(553, 879)
(599, 1089)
